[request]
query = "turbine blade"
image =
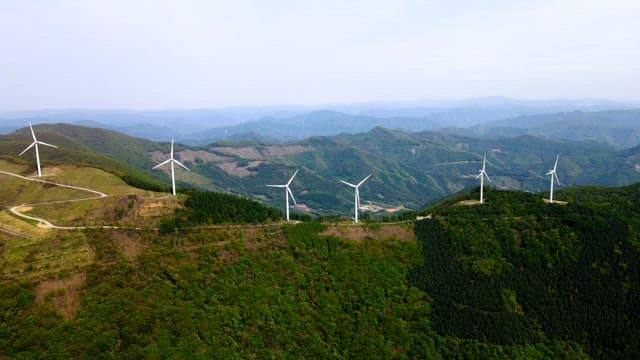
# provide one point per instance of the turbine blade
(277, 186)
(488, 178)
(294, 175)
(27, 149)
(32, 133)
(551, 172)
(45, 144)
(556, 164)
(346, 183)
(291, 194)
(172, 148)
(556, 177)
(180, 164)
(162, 163)
(484, 161)
(479, 175)
(363, 180)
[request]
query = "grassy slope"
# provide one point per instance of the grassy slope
(120, 154)
(46, 251)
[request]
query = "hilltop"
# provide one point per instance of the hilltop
(120, 154)
(517, 270)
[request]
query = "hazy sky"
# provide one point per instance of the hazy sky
(178, 54)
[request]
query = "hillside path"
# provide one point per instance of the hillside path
(18, 209)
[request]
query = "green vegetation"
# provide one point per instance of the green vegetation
(518, 271)
(218, 208)
(304, 296)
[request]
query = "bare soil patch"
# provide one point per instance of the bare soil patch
(246, 152)
(547, 201)
(469, 202)
(191, 155)
(285, 150)
(232, 168)
(383, 232)
(129, 243)
(61, 295)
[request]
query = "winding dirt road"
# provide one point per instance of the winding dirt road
(19, 209)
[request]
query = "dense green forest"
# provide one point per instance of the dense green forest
(301, 296)
(517, 270)
(206, 207)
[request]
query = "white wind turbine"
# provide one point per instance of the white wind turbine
(287, 193)
(357, 195)
(171, 161)
(554, 175)
(35, 144)
(481, 176)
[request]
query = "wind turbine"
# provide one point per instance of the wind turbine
(554, 175)
(171, 161)
(357, 195)
(481, 176)
(287, 193)
(35, 143)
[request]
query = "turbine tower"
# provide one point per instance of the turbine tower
(554, 175)
(357, 195)
(35, 144)
(287, 193)
(171, 161)
(481, 176)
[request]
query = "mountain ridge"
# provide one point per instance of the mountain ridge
(409, 169)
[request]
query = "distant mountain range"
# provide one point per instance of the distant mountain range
(409, 169)
(619, 128)
(286, 123)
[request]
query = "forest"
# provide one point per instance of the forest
(518, 270)
(513, 279)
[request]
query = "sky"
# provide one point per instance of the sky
(162, 54)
